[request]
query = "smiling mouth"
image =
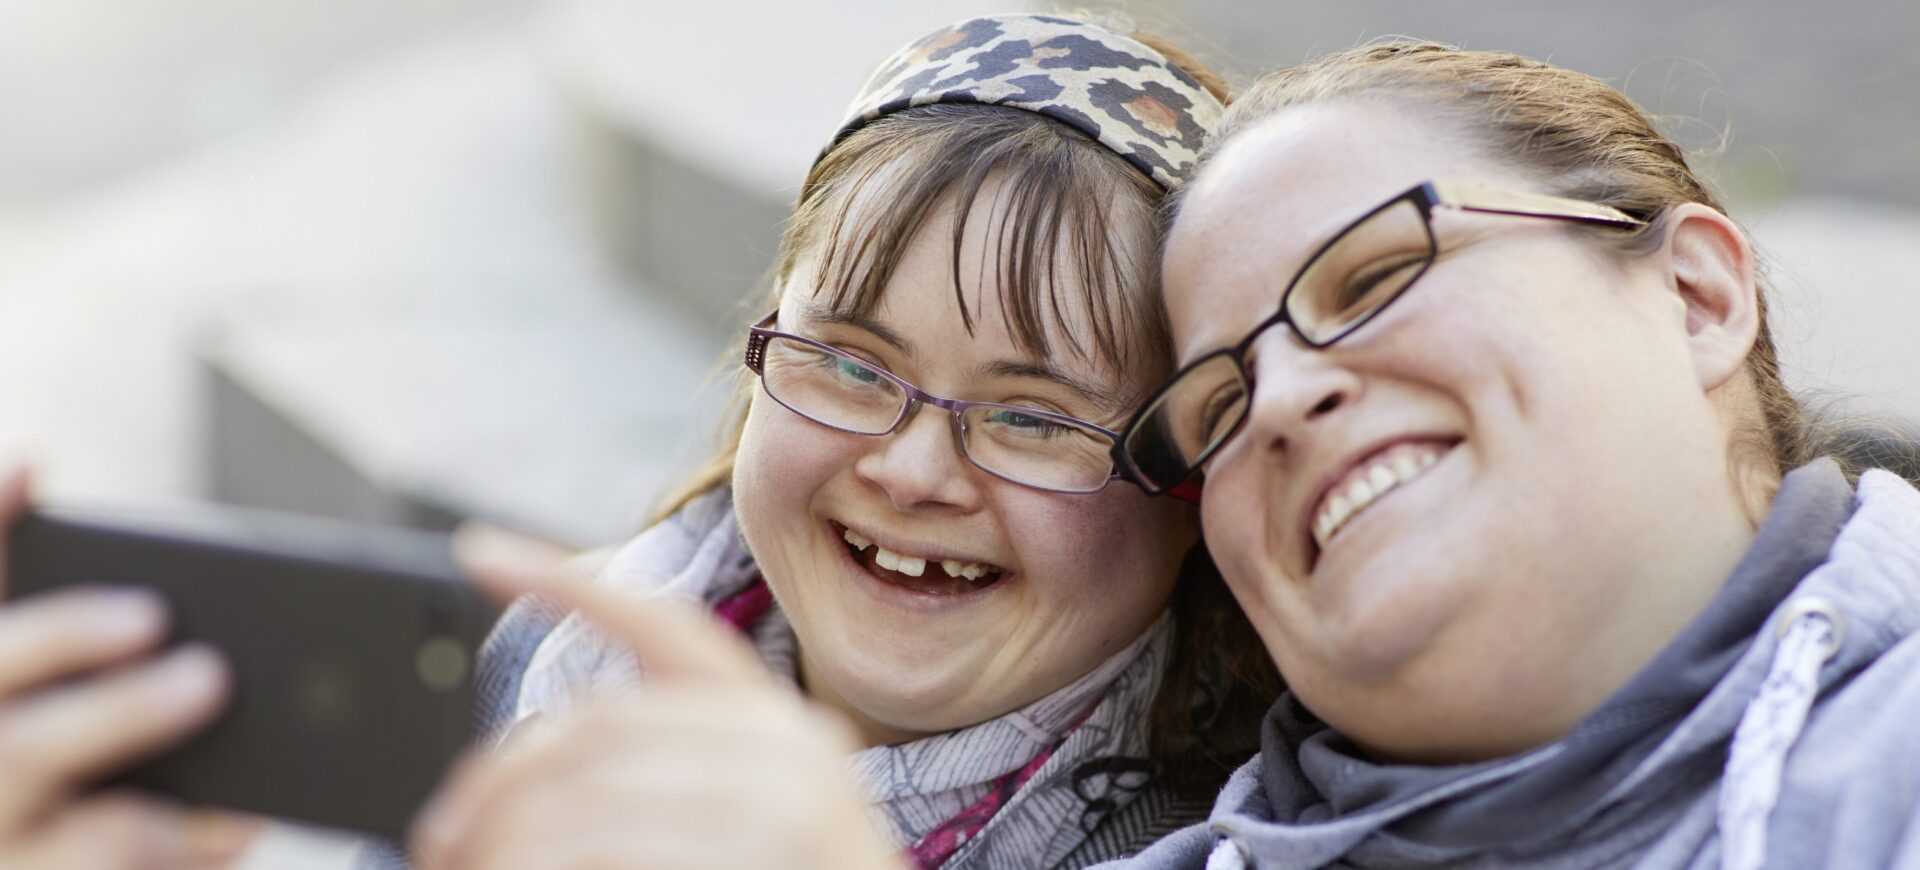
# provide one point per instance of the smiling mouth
(917, 573)
(1368, 482)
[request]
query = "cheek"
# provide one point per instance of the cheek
(782, 463)
(1238, 519)
(1114, 550)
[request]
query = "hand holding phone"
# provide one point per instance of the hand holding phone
(350, 652)
(74, 706)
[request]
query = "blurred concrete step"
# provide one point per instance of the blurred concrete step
(569, 422)
(690, 132)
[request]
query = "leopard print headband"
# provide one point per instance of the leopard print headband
(1116, 90)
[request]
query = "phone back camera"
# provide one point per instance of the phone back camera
(441, 664)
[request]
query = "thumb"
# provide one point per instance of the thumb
(673, 639)
(16, 487)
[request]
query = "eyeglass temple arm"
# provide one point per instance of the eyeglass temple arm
(1532, 205)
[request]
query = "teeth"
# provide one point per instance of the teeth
(1338, 510)
(1361, 492)
(912, 566)
(1400, 465)
(969, 570)
(915, 566)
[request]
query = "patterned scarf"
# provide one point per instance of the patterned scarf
(1019, 791)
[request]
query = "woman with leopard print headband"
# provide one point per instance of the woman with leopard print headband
(1026, 650)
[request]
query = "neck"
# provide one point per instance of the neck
(1677, 581)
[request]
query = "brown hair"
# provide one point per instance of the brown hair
(1578, 136)
(1067, 201)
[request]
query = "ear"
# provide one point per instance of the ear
(1713, 274)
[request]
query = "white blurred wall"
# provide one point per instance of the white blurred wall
(169, 166)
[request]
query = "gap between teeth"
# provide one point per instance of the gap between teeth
(914, 566)
(1395, 467)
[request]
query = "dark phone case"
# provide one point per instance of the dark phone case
(352, 651)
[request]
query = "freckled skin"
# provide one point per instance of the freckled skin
(1586, 514)
(1087, 573)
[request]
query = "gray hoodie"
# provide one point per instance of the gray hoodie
(1810, 652)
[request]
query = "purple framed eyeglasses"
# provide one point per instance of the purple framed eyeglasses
(1028, 446)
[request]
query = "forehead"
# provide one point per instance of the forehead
(1284, 186)
(922, 298)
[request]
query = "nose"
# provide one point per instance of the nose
(1294, 387)
(919, 465)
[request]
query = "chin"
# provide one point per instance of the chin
(1381, 621)
(924, 700)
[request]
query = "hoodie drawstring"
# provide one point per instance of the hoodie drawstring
(1226, 855)
(1810, 635)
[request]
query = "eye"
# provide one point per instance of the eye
(1382, 276)
(855, 371)
(1217, 414)
(1025, 424)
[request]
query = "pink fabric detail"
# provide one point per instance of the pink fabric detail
(744, 608)
(939, 844)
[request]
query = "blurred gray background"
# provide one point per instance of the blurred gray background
(412, 260)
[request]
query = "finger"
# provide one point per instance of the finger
(433, 836)
(477, 798)
(217, 838)
(16, 487)
(673, 639)
(116, 830)
(530, 751)
(55, 739)
(52, 636)
(659, 748)
(504, 563)
(732, 806)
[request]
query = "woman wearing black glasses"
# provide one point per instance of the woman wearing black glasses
(1497, 458)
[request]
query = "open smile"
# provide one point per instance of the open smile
(1367, 481)
(924, 573)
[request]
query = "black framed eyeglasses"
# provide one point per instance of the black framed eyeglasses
(1342, 287)
(1032, 447)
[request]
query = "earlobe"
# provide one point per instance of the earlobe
(1713, 273)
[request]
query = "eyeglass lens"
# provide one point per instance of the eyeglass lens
(831, 388)
(1016, 443)
(1356, 275)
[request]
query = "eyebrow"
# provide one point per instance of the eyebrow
(827, 314)
(1106, 398)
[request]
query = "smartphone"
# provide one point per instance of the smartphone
(352, 650)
